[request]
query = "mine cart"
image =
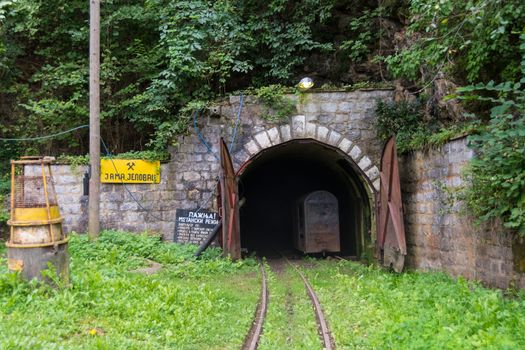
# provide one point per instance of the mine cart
(317, 223)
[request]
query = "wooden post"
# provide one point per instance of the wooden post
(94, 119)
(13, 199)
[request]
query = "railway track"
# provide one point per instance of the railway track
(252, 340)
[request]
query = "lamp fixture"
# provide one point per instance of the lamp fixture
(306, 83)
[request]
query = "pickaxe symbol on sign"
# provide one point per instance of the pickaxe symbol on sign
(131, 165)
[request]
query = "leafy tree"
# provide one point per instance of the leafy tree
(468, 40)
(158, 58)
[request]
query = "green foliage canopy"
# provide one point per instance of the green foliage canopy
(468, 40)
(497, 174)
(480, 45)
(158, 58)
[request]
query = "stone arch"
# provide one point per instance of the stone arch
(300, 128)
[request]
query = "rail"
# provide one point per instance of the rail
(322, 324)
(251, 341)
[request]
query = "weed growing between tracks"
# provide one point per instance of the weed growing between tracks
(189, 304)
(368, 308)
(290, 320)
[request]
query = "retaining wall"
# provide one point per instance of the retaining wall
(345, 120)
(440, 233)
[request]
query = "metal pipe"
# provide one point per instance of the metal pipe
(208, 240)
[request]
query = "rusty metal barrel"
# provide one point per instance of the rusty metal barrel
(37, 241)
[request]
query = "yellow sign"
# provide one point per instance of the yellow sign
(129, 171)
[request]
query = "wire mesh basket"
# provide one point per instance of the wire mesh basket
(30, 191)
(35, 215)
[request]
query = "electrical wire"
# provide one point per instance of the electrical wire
(201, 138)
(234, 136)
(237, 123)
(195, 117)
(110, 156)
(45, 136)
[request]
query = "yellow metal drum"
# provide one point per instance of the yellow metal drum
(36, 236)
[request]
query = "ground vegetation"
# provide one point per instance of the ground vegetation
(370, 309)
(114, 302)
(111, 304)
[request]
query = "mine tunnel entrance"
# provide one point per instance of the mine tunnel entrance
(275, 180)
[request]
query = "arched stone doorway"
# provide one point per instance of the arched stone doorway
(278, 165)
(300, 128)
(274, 179)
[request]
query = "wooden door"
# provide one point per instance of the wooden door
(391, 242)
(229, 201)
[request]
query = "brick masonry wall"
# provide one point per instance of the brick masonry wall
(440, 235)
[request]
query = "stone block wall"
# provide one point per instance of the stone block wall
(441, 235)
(118, 208)
(188, 181)
(349, 115)
(343, 117)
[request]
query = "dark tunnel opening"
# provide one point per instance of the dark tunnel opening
(278, 177)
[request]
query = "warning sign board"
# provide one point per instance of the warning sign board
(129, 171)
(194, 226)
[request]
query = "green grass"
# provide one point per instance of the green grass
(210, 303)
(368, 308)
(290, 321)
(206, 304)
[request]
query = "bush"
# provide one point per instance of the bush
(497, 174)
(398, 117)
(276, 106)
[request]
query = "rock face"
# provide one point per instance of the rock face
(439, 235)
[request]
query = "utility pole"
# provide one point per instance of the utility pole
(94, 119)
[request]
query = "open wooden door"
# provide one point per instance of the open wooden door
(391, 243)
(229, 201)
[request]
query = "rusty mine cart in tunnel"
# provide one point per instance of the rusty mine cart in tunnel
(317, 223)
